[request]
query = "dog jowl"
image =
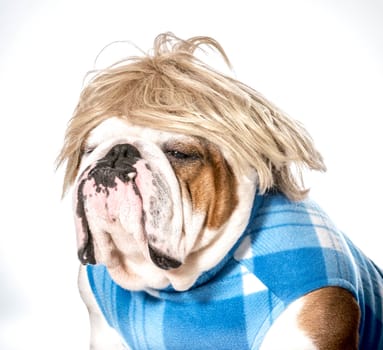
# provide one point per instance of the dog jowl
(117, 164)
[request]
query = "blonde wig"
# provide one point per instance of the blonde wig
(171, 89)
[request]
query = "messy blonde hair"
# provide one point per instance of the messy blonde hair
(171, 89)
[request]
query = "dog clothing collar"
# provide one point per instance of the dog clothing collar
(210, 274)
(288, 249)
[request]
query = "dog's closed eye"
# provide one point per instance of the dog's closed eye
(88, 147)
(182, 156)
(183, 151)
(88, 150)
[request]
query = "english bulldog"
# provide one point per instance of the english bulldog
(194, 231)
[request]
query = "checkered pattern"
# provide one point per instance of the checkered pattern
(287, 250)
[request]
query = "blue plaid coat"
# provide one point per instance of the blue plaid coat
(288, 249)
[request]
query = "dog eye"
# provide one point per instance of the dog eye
(88, 150)
(177, 155)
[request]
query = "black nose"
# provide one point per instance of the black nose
(162, 260)
(121, 156)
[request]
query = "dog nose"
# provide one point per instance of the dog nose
(122, 155)
(162, 260)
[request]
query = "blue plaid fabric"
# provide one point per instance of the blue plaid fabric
(288, 249)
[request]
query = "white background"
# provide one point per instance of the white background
(320, 61)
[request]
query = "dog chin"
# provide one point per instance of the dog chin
(138, 277)
(143, 274)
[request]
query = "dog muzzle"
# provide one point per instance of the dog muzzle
(128, 208)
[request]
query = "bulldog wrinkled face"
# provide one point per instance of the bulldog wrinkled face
(150, 204)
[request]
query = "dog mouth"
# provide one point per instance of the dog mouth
(113, 191)
(162, 260)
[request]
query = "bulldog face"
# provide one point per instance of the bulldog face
(155, 207)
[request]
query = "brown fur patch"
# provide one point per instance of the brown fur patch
(330, 317)
(207, 181)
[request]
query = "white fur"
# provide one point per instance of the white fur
(285, 333)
